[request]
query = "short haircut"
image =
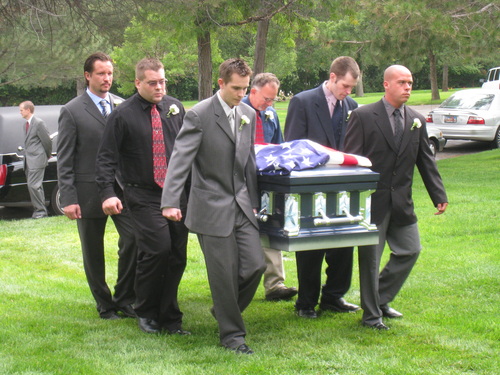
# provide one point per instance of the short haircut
(231, 66)
(262, 79)
(147, 63)
(28, 105)
(88, 66)
(343, 65)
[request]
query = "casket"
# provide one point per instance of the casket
(321, 208)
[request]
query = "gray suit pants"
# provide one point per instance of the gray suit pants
(380, 289)
(34, 178)
(235, 265)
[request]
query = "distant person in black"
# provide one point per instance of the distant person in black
(130, 143)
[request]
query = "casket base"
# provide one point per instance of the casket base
(328, 238)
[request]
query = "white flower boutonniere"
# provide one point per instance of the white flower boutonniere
(416, 124)
(244, 121)
(348, 115)
(173, 110)
(269, 115)
(117, 102)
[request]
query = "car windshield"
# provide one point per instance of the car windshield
(465, 100)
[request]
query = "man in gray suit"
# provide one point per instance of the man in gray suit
(81, 125)
(37, 146)
(394, 137)
(216, 144)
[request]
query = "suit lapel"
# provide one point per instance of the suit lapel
(222, 120)
(383, 122)
(323, 114)
(91, 108)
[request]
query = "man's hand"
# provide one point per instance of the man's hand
(112, 206)
(441, 208)
(73, 211)
(172, 213)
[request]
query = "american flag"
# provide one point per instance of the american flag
(298, 155)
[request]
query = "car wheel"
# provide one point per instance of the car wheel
(433, 145)
(496, 141)
(55, 201)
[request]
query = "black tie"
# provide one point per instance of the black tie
(337, 123)
(398, 127)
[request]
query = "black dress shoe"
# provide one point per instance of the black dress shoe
(307, 313)
(243, 349)
(110, 315)
(389, 312)
(148, 325)
(128, 311)
(281, 294)
(179, 331)
(380, 326)
(339, 305)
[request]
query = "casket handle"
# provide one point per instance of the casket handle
(325, 220)
(261, 215)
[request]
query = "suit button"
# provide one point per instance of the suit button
(393, 173)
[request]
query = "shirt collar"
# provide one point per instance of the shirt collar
(97, 99)
(227, 109)
(330, 98)
(390, 109)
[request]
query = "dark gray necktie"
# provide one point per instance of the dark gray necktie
(398, 127)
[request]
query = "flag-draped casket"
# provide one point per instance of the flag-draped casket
(309, 201)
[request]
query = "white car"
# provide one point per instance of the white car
(436, 139)
(472, 114)
(492, 79)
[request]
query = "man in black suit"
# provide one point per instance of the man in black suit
(138, 141)
(321, 115)
(37, 147)
(394, 138)
(216, 143)
(81, 124)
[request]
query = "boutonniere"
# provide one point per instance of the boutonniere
(244, 121)
(173, 110)
(117, 102)
(348, 115)
(269, 115)
(416, 124)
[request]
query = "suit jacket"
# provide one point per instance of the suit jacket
(223, 168)
(308, 117)
(370, 134)
(37, 144)
(81, 126)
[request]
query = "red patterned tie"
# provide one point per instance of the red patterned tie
(27, 126)
(259, 129)
(159, 153)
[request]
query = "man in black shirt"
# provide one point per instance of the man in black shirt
(138, 140)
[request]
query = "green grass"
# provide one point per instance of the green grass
(48, 322)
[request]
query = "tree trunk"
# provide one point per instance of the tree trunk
(260, 47)
(204, 66)
(360, 91)
(81, 86)
(445, 78)
(433, 76)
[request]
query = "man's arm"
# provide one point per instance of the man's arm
(107, 165)
(43, 134)
(296, 121)
(354, 137)
(179, 166)
(66, 149)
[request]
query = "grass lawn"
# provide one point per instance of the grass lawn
(49, 325)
